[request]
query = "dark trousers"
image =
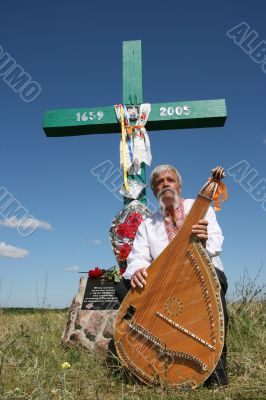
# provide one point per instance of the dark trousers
(219, 376)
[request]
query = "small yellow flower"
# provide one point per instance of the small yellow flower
(65, 365)
(54, 394)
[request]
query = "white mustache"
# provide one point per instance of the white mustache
(161, 192)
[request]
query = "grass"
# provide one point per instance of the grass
(31, 358)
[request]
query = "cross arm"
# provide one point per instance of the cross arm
(166, 116)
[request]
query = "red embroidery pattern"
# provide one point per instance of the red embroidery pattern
(170, 227)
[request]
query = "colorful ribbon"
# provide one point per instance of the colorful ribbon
(221, 191)
(131, 128)
(124, 147)
(134, 145)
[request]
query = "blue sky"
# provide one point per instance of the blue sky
(74, 52)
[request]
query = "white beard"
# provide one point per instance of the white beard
(161, 203)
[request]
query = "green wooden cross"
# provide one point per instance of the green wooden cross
(163, 116)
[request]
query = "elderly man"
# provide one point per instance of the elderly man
(155, 233)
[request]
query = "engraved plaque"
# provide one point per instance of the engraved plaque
(100, 295)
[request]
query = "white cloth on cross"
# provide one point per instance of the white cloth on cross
(135, 189)
(138, 148)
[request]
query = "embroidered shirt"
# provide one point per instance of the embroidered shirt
(174, 222)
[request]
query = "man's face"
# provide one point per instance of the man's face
(167, 180)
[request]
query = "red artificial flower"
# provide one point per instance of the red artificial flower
(131, 232)
(124, 251)
(128, 230)
(121, 230)
(122, 270)
(134, 218)
(95, 273)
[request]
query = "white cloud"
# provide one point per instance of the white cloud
(75, 268)
(25, 223)
(95, 241)
(8, 251)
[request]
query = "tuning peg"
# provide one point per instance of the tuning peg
(218, 173)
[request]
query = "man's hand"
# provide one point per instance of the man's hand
(201, 231)
(139, 278)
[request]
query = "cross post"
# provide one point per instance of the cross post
(163, 116)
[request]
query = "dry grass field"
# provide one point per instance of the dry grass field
(32, 361)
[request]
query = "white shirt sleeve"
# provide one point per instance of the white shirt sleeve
(140, 256)
(215, 236)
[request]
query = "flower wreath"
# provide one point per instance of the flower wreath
(124, 228)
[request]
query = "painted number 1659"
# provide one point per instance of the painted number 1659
(179, 110)
(85, 116)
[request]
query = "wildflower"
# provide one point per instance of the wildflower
(65, 365)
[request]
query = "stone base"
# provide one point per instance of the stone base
(93, 330)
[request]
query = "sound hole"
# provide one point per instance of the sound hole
(173, 306)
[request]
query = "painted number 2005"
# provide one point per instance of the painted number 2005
(179, 110)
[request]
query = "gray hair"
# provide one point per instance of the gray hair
(160, 170)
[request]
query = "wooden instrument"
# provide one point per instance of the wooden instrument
(172, 331)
